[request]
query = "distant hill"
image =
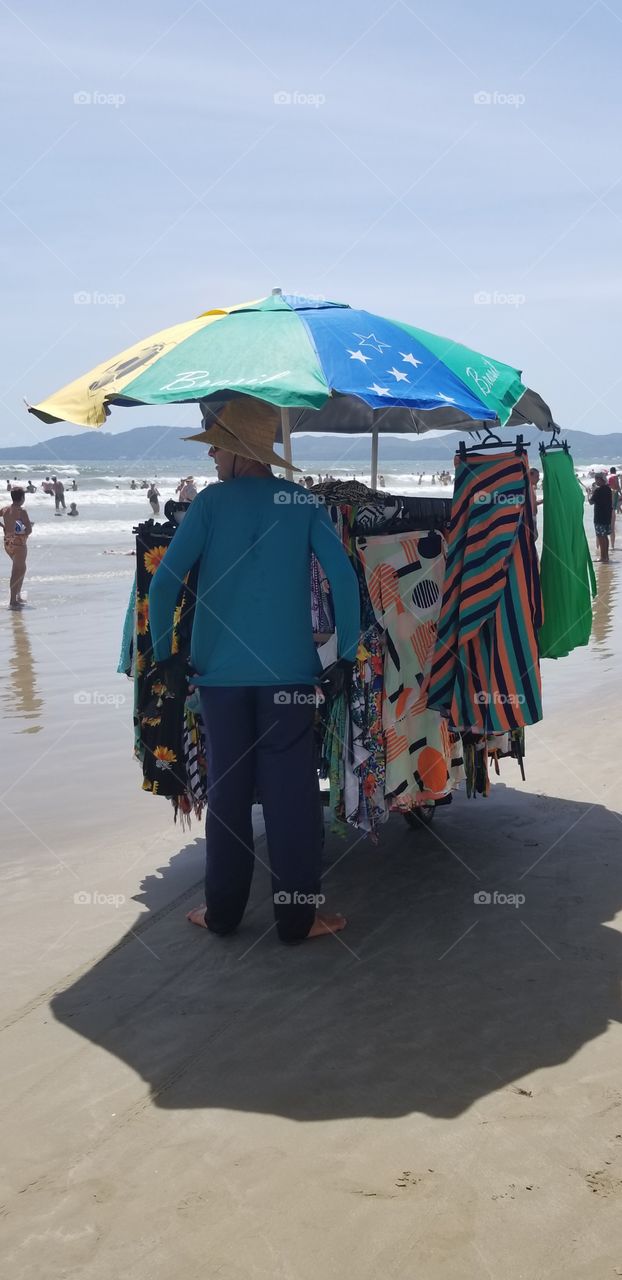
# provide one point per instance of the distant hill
(162, 443)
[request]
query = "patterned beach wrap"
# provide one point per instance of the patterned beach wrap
(168, 730)
(404, 576)
(486, 674)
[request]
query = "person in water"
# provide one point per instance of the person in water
(73, 510)
(601, 499)
(17, 528)
(613, 480)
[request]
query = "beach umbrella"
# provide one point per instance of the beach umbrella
(327, 366)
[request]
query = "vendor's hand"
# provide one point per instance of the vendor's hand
(337, 679)
(163, 664)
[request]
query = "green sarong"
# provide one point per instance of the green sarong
(566, 571)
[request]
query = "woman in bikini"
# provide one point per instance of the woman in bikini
(17, 528)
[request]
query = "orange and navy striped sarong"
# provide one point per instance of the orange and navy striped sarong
(485, 673)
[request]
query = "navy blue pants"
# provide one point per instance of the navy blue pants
(261, 740)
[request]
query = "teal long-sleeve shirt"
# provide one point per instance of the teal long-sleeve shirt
(253, 537)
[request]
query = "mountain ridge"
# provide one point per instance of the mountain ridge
(156, 443)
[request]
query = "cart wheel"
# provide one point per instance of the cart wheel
(422, 816)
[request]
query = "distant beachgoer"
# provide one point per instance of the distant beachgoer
(47, 485)
(73, 510)
(74, 487)
(153, 494)
(133, 484)
(613, 480)
(17, 528)
(30, 488)
(534, 480)
(144, 484)
(381, 481)
(309, 482)
(188, 490)
(601, 500)
(59, 493)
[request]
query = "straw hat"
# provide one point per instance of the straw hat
(247, 428)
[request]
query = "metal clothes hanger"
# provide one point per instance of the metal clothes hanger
(554, 443)
(491, 441)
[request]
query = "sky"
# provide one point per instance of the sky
(457, 167)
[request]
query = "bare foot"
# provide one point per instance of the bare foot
(327, 924)
(197, 916)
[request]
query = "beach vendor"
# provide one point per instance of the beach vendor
(256, 667)
(17, 528)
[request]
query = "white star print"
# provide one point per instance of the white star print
(449, 399)
(380, 391)
(366, 341)
(410, 359)
(398, 375)
(358, 355)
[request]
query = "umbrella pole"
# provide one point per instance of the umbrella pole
(374, 457)
(287, 443)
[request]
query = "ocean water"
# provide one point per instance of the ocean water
(63, 550)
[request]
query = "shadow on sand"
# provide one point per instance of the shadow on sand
(429, 1001)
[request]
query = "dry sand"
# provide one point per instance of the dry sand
(437, 1094)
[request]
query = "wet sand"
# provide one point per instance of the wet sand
(436, 1093)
